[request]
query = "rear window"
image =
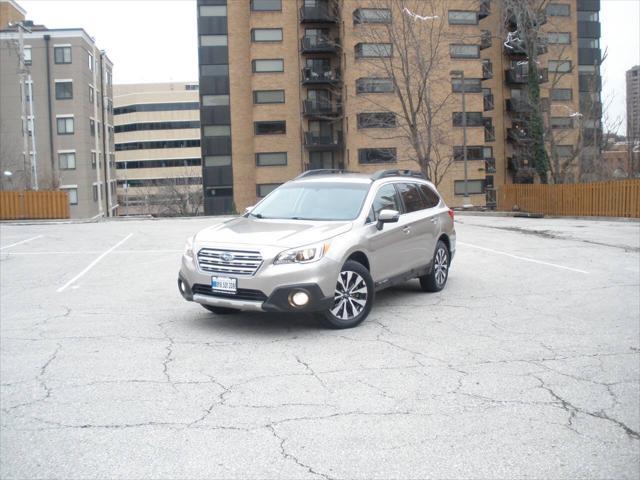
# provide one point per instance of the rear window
(411, 197)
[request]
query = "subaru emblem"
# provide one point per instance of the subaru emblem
(227, 257)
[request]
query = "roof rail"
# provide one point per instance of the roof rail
(397, 173)
(323, 171)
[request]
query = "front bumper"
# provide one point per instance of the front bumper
(257, 301)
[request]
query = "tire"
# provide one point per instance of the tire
(354, 295)
(437, 278)
(220, 310)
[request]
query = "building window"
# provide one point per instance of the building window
(561, 94)
(271, 159)
(270, 128)
(268, 96)
(95, 192)
(463, 17)
(65, 125)
(474, 119)
(62, 54)
(376, 155)
(374, 85)
(471, 85)
(264, 66)
(214, 70)
(464, 51)
(27, 55)
(558, 10)
(588, 16)
(92, 127)
(213, 40)
(588, 42)
(474, 187)
(67, 160)
(371, 15)
(266, 34)
(91, 94)
(474, 152)
(215, 100)
(90, 61)
(213, 11)
(560, 66)
(561, 122)
(377, 120)
(559, 38)
(217, 130)
(374, 50)
(217, 161)
(266, 5)
(64, 90)
(264, 189)
(564, 151)
(73, 194)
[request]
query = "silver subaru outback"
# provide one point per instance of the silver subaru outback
(325, 243)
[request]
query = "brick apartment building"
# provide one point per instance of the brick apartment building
(290, 85)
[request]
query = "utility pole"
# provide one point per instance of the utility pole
(22, 72)
(34, 164)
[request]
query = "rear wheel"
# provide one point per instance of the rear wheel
(437, 279)
(353, 297)
(220, 310)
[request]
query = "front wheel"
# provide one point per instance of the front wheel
(437, 278)
(353, 297)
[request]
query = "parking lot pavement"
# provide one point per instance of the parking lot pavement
(525, 366)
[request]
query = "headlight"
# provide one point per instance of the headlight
(308, 254)
(188, 248)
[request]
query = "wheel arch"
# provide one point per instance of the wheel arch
(360, 257)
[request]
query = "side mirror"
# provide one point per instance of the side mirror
(387, 216)
(248, 209)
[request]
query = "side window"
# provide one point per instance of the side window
(432, 197)
(386, 199)
(411, 197)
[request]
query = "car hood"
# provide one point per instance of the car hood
(257, 232)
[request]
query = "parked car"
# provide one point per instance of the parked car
(325, 243)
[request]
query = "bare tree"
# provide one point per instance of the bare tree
(410, 50)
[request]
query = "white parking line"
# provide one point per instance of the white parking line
(23, 241)
(522, 258)
(87, 252)
(92, 264)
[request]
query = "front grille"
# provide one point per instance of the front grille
(241, 294)
(242, 262)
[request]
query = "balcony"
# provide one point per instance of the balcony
(315, 108)
(520, 49)
(518, 135)
(488, 102)
(490, 165)
(320, 77)
(485, 39)
(519, 75)
(485, 9)
(489, 130)
(319, 44)
(315, 141)
(589, 29)
(487, 70)
(324, 13)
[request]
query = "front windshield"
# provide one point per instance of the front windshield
(313, 201)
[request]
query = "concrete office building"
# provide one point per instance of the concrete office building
(290, 85)
(157, 132)
(67, 100)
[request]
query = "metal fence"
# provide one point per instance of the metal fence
(33, 205)
(619, 198)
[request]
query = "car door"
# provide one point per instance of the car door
(387, 246)
(435, 213)
(420, 223)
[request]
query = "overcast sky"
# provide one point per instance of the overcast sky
(156, 41)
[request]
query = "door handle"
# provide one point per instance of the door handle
(433, 220)
(406, 230)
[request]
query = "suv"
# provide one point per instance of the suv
(324, 242)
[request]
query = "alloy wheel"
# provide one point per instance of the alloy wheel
(350, 296)
(441, 265)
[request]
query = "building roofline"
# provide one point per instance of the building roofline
(15, 5)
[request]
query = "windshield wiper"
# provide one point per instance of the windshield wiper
(257, 215)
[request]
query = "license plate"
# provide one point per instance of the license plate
(224, 284)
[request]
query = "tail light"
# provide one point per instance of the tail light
(451, 213)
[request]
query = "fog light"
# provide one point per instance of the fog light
(299, 299)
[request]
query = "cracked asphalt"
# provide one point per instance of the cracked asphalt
(526, 366)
